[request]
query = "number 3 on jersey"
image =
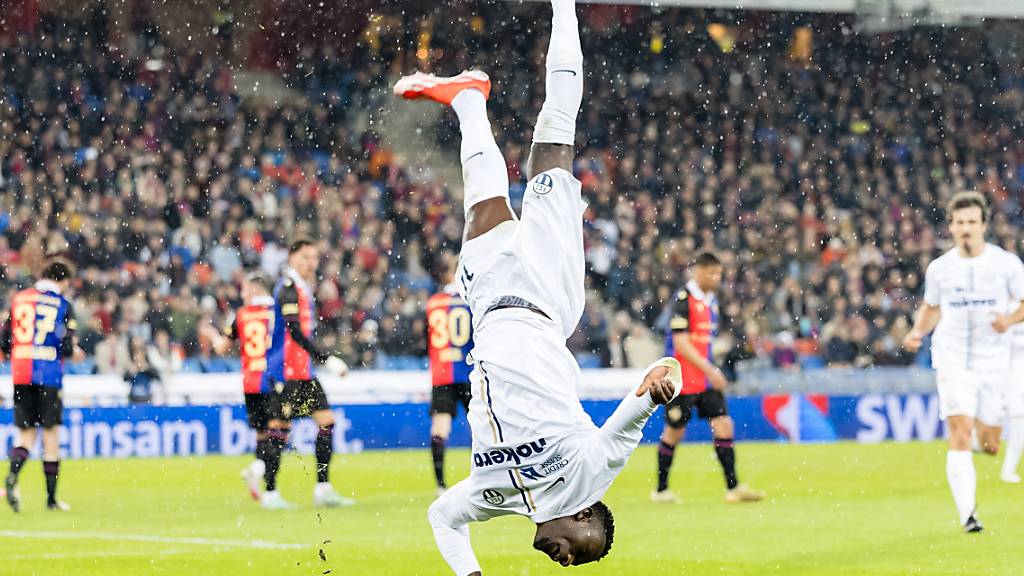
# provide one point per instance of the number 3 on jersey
(449, 327)
(34, 319)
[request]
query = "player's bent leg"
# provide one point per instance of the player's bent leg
(484, 174)
(989, 437)
(18, 456)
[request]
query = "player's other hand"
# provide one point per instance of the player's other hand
(717, 379)
(658, 384)
(336, 365)
(78, 355)
(1001, 323)
(912, 341)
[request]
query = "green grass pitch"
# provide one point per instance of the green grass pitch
(833, 509)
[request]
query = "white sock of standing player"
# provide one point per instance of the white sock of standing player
(484, 174)
(563, 85)
(962, 481)
(1014, 446)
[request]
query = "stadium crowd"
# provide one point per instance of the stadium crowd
(813, 160)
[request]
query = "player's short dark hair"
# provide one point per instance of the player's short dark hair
(299, 243)
(58, 270)
(259, 280)
(963, 200)
(604, 516)
(705, 259)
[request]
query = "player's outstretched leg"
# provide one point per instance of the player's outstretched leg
(484, 174)
(555, 132)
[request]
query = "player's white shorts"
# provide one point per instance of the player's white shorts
(1015, 385)
(538, 258)
(980, 395)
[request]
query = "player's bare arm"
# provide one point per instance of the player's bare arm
(681, 341)
(927, 318)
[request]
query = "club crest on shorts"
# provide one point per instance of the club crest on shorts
(543, 184)
(493, 497)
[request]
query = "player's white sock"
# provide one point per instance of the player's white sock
(1014, 446)
(563, 87)
(962, 481)
(484, 175)
(258, 467)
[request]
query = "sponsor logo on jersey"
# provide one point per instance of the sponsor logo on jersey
(503, 455)
(543, 184)
(493, 497)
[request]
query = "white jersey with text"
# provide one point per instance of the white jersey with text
(970, 292)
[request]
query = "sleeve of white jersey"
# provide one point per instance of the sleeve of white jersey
(932, 290)
(449, 517)
(624, 429)
(1016, 283)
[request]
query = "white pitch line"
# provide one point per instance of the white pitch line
(93, 554)
(148, 538)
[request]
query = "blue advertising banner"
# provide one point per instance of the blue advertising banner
(151, 431)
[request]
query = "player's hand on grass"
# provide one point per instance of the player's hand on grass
(1001, 323)
(717, 379)
(658, 384)
(912, 341)
(336, 365)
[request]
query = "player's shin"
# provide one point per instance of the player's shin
(484, 174)
(51, 469)
(962, 481)
(18, 457)
(1014, 448)
(437, 444)
(273, 449)
(324, 450)
(563, 84)
(727, 457)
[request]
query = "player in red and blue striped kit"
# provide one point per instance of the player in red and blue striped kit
(252, 328)
(38, 337)
(693, 326)
(290, 373)
(449, 341)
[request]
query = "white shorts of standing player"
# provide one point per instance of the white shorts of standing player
(980, 395)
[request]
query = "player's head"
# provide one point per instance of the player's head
(967, 214)
(59, 272)
(304, 257)
(584, 537)
(707, 271)
(254, 286)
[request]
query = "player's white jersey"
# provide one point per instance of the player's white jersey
(970, 292)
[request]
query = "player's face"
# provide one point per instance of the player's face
(571, 540)
(708, 277)
(968, 229)
(305, 261)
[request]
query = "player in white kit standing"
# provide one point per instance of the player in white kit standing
(967, 293)
(536, 453)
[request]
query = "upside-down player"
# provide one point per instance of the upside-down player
(38, 337)
(449, 340)
(536, 453)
